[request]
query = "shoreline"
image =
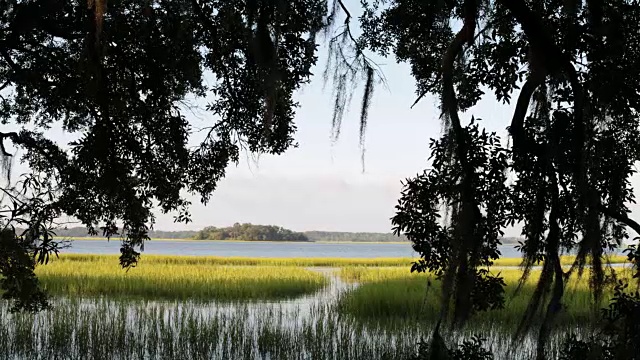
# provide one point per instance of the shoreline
(244, 241)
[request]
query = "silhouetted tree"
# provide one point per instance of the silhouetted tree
(572, 67)
(120, 75)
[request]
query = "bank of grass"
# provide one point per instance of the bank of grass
(389, 294)
(231, 278)
(312, 262)
(564, 260)
(243, 261)
(102, 277)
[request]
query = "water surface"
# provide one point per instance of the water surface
(261, 249)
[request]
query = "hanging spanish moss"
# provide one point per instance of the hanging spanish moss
(364, 109)
(346, 66)
(6, 162)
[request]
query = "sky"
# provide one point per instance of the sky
(321, 184)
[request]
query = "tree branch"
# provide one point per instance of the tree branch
(469, 242)
(20, 72)
(347, 22)
(554, 61)
(11, 135)
(520, 140)
(620, 217)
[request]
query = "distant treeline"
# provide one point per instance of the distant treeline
(251, 232)
(81, 232)
(352, 236)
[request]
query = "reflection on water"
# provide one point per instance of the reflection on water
(309, 327)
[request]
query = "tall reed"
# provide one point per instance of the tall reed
(392, 294)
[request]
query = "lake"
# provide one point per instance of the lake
(260, 249)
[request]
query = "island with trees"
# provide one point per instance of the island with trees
(250, 232)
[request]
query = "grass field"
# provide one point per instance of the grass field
(241, 261)
(253, 261)
(396, 294)
(102, 276)
(387, 290)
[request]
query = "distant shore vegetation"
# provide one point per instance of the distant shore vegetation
(252, 232)
(249, 232)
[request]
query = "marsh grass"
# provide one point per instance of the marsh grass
(396, 307)
(219, 278)
(242, 261)
(100, 329)
(96, 329)
(394, 294)
(95, 277)
(255, 261)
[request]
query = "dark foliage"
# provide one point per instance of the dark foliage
(472, 349)
(570, 68)
(18, 280)
(119, 76)
(617, 339)
(250, 232)
(444, 245)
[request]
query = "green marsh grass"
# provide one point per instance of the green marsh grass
(256, 261)
(394, 294)
(102, 276)
(242, 261)
(565, 260)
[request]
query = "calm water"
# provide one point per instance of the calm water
(260, 249)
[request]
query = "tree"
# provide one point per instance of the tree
(119, 76)
(572, 68)
(250, 232)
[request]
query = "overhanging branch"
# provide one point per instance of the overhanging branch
(554, 60)
(10, 135)
(620, 217)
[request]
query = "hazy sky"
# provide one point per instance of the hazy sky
(320, 185)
